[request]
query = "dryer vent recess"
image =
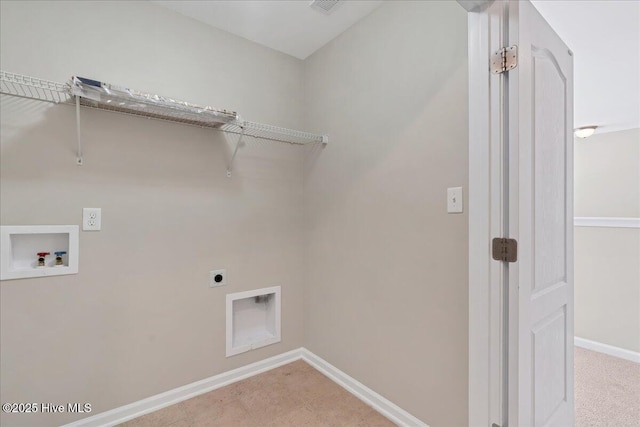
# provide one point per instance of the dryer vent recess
(253, 319)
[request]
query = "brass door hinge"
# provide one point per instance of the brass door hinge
(505, 249)
(504, 60)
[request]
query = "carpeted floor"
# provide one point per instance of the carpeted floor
(293, 395)
(607, 390)
(607, 394)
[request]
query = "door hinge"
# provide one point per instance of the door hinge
(505, 249)
(504, 60)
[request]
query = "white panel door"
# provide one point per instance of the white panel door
(540, 122)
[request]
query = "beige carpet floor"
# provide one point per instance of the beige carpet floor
(607, 394)
(294, 395)
(607, 390)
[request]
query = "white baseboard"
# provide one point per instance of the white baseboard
(362, 392)
(608, 349)
(162, 400)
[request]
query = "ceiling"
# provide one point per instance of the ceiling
(605, 39)
(603, 34)
(291, 27)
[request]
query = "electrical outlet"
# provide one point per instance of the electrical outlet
(217, 278)
(91, 219)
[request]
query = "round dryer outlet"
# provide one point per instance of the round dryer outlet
(217, 278)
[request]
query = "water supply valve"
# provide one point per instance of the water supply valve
(41, 256)
(58, 255)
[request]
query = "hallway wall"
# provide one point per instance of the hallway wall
(607, 260)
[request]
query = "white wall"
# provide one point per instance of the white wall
(607, 260)
(387, 267)
(139, 318)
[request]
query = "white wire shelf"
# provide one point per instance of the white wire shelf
(105, 96)
(111, 98)
(273, 133)
(33, 88)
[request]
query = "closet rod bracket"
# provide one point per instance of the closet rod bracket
(235, 151)
(79, 160)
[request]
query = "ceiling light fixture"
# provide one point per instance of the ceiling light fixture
(585, 131)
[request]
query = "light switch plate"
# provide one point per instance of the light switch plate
(91, 219)
(454, 200)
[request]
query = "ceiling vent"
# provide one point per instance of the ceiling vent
(324, 6)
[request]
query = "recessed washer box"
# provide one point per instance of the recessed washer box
(21, 243)
(253, 319)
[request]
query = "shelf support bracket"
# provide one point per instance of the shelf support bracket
(238, 143)
(79, 160)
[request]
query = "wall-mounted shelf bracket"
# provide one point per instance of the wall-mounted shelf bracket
(79, 160)
(235, 151)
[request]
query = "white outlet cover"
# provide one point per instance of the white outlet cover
(212, 278)
(454, 200)
(91, 219)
